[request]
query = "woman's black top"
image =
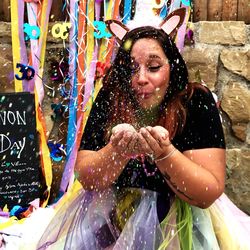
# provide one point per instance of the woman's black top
(203, 129)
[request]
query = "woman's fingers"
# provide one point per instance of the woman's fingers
(160, 134)
(132, 145)
(123, 127)
(147, 142)
(115, 138)
(150, 141)
(123, 142)
(127, 136)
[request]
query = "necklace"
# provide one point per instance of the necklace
(148, 174)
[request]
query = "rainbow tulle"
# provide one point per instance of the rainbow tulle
(231, 225)
(128, 220)
(107, 220)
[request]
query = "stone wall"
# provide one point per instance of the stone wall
(220, 57)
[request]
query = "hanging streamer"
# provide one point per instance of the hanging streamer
(38, 15)
(44, 20)
(18, 42)
(37, 57)
(91, 58)
(182, 30)
(73, 132)
(113, 6)
(81, 52)
(127, 11)
(73, 75)
(90, 52)
(33, 20)
(73, 105)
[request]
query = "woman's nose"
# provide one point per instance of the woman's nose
(142, 77)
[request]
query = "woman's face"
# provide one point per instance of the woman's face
(150, 72)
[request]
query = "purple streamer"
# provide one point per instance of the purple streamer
(23, 52)
(89, 87)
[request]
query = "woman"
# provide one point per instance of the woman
(152, 145)
(158, 113)
(147, 108)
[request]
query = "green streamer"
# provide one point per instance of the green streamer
(178, 222)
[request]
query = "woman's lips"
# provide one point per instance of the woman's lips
(145, 95)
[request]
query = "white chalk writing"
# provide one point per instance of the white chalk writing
(13, 118)
(16, 147)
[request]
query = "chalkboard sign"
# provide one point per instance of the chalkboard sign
(19, 152)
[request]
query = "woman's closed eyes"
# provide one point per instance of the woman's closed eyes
(154, 68)
(135, 67)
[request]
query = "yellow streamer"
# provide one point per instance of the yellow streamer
(101, 58)
(15, 42)
(70, 195)
(11, 221)
(90, 32)
(18, 84)
(90, 51)
(47, 165)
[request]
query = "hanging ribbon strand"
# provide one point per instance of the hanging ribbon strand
(90, 51)
(32, 68)
(18, 42)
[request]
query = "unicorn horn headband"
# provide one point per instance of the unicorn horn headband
(170, 25)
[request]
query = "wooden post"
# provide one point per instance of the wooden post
(200, 10)
(56, 13)
(229, 10)
(5, 11)
(214, 10)
(243, 11)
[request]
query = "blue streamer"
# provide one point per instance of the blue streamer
(73, 100)
(163, 12)
(186, 3)
(127, 11)
(64, 5)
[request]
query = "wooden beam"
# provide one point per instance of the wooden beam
(244, 11)
(5, 10)
(229, 10)
(214, 10)
(200, 10)
(56, 13)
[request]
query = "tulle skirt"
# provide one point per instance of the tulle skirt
(127, 220)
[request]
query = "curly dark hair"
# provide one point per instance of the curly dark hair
(118, 82)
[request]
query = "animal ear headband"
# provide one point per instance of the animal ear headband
(170, 25)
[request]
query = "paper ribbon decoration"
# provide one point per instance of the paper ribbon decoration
(61, 30)
(27, 72)
(29, 30)
(101, 30)
(32, 67)
(86, 74)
